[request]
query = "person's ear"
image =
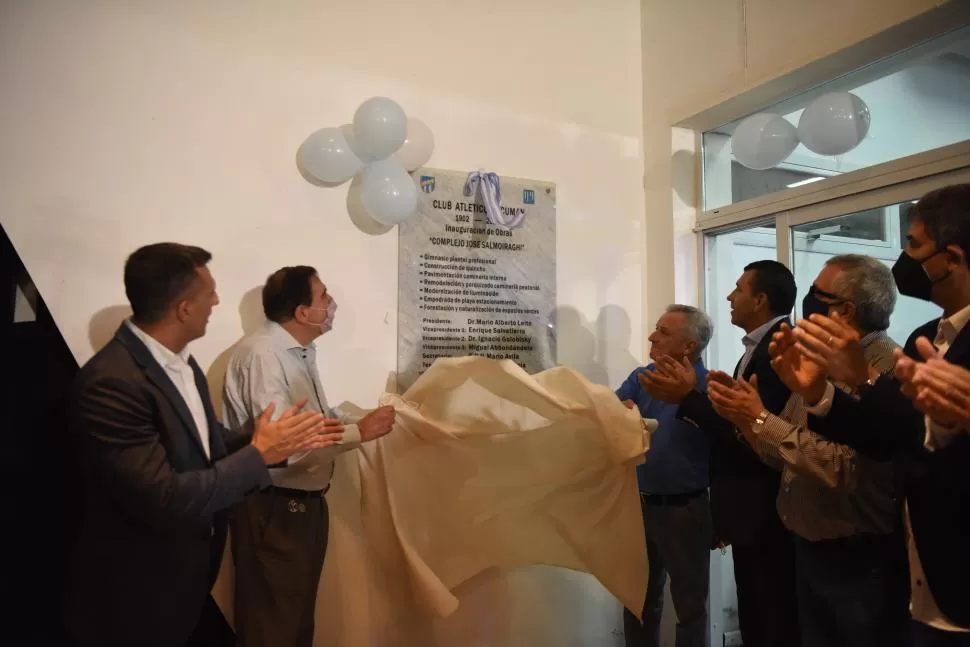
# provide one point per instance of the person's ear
(848, 312)
(690, 348)
(955, 256)
(183, 310)
(761, 301)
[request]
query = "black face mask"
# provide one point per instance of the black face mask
(812, 305)
(912, 279)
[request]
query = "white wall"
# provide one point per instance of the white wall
(128, 123)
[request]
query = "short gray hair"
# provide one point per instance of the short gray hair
(869, 284)
(699, 326)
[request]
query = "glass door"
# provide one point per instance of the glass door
(872, 223)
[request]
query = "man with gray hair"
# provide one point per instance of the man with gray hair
(673, 484)
(850, 559)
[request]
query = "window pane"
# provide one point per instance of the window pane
(814, 243)
(727, 255)
(918, 101)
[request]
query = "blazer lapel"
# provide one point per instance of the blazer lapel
(927, 330)
(761, 350)
(217, 446)
(959, 352)
(157, 375)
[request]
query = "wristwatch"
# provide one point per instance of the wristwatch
(760, 420)
(861, 389)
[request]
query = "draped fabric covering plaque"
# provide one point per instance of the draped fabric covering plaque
(467, 287)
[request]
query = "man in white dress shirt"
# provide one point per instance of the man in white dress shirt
(279, 535)
(159, 471)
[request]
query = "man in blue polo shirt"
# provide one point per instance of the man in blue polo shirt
(673, 490)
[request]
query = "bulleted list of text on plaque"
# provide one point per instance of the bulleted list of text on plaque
(469, 287)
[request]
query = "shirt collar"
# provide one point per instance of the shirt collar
(872, 337)
(162, 355)
(951, 326)
(754, 337)
(284, 340)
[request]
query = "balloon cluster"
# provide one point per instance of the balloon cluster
(384, 145)
(833, 124)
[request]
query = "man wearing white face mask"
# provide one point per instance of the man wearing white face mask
(279, 536)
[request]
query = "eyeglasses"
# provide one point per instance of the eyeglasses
(834, 298)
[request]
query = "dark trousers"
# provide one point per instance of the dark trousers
(279, 541)
(927, 636)
(853, 592)
(212, 630)
(765, 579)
(678, 542)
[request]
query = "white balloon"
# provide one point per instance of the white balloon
(417, 147)
(763, 141)
(358, 213)
(834, 123)
(380, 127)
(327, 156)
(388, 193)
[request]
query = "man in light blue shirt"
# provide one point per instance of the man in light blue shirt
(673, 490)
(279, 535)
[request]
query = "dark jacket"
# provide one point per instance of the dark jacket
(743, 488)
(154, 506)
(884, 423)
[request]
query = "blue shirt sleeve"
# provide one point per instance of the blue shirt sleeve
(630, 387)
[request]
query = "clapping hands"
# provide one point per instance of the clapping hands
(735, 400)
(938, 388)
(671, 381)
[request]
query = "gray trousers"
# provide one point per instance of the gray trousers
(679, 537)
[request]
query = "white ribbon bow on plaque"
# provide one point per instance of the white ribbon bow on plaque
(489, 185)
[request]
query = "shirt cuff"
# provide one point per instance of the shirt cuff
(351, 438)
(351, 435)
(821, 408)
(939, 436)
(772, 433)
(295, 458)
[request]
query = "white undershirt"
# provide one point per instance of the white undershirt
(176, 366)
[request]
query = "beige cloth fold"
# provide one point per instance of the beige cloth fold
(490, 467)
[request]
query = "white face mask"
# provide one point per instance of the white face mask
(327, 324)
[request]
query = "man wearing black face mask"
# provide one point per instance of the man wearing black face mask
(879, 420)
(850, 558)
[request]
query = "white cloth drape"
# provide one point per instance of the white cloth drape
(490, 467)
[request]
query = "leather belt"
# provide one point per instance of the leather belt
(294, 493)
(670, 499)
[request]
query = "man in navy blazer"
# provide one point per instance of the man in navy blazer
(158, 469)
(743, 488)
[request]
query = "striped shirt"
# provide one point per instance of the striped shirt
(828, 490)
